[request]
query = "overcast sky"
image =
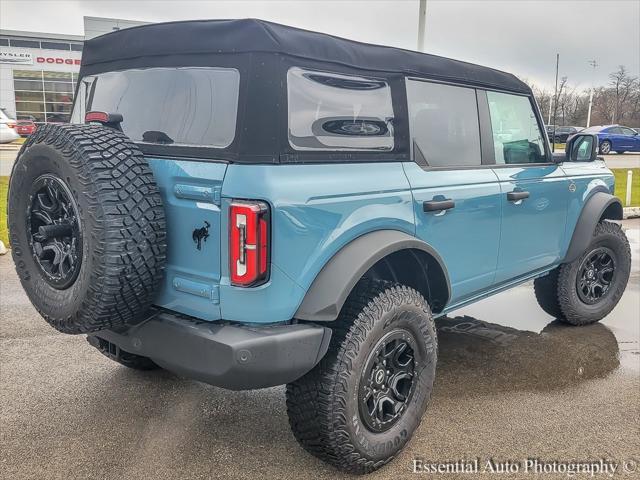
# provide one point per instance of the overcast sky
(519, 36)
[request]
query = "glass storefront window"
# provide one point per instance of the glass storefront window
(33, 116)
(33, 85)
(58, 97)
(28, 96)
(57, 76)
(58, 107)
(58, 117)
(58, 87)
(30, 106)
(28, 74)
(44, 96)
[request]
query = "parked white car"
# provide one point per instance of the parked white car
(7, 128)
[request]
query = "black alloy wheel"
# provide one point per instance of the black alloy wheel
(53, 229)
(596, 273)
(386, 385)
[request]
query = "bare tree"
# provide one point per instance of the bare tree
(623, 86)
(618, 101)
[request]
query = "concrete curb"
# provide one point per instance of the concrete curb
(630, 212)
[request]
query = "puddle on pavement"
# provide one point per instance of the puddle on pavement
(506, 342)
(477, 357)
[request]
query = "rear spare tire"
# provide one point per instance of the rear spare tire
(87, 227)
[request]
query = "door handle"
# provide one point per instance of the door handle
(438, 205)
(517, 195)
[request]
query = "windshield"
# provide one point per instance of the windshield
(169, 106)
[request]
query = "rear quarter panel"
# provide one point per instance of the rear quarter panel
(316, 210)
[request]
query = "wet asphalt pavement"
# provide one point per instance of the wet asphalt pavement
(512, 384)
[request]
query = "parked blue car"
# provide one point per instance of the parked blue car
(250, 205)
(616, 138)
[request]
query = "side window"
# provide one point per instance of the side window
(516, 134)
(443, 121)
(627, 131)
(329, 111)
(614, 131)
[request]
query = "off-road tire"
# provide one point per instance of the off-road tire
(546, 291)
(574, 310)
(120, 219)
(323, 405)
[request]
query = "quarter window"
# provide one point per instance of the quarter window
(329, 111)
(443, 120)
(517, 137)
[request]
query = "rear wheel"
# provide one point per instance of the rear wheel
(605, 147)
(362, 403)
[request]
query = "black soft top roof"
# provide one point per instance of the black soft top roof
(120, 49)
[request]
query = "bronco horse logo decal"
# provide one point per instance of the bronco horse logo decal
(200, 234)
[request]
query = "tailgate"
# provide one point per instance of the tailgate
(191, 194)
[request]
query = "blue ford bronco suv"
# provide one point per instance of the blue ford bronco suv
(249, 205)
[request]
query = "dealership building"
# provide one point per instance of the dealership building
(39, 71)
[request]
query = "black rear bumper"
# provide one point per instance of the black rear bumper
(230, 356)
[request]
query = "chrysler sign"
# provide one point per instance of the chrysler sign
(16, 58)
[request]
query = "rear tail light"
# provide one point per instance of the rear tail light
(249, 243)
(11, 125)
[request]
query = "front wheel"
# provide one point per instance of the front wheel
(591, 286)
(362, 403)
(605, 147)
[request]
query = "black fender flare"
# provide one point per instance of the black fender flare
(600, 205)
(328, 292)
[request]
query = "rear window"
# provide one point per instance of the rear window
(169, 106)
(329, 111)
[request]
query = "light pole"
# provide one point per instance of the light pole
(594, 64)
(422, 20)
(555, 106)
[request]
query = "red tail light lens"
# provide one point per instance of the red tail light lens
(249, 243)
(102, 117)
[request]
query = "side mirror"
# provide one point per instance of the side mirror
(582, 147)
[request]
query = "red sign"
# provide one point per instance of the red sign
(58, 60)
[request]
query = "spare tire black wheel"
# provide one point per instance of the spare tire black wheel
(87, 227)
